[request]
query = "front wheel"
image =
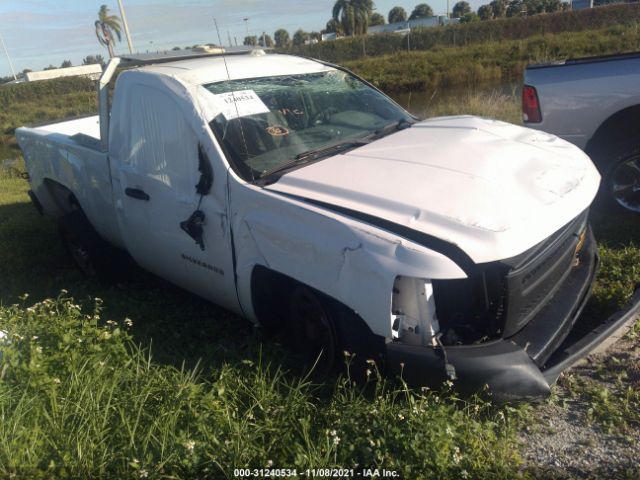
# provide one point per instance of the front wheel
(311, 328)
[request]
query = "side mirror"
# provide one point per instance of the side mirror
(206, 172)
(193, 226)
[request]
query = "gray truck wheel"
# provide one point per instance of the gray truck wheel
(623, 180)
(311, 328)
(94, 257)
(619, 165)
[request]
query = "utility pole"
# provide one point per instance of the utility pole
(8, 58)
(126, 26)
(246, 24)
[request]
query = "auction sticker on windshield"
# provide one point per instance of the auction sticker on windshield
(240, 104)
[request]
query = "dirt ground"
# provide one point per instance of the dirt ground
(583, 431)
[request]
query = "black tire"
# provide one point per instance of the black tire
(94, 257)
(619, 165)
(311, 328)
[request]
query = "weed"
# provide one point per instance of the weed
(79, 398)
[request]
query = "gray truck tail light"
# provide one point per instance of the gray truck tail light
(530, 105)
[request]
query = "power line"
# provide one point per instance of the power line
(126, 26)
(8, 58)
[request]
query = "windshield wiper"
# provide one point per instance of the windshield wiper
(315, 154)
(390, 128)
(331, 149)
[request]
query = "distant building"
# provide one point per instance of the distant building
(329, 36)
(208, 49)
(12, 82)
(405, 27)
(90, 71)
(581, 4)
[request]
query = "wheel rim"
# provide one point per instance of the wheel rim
(625, 183)
(312, 329)
(82, 258)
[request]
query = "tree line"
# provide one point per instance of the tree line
(354, 17)
(349, 17)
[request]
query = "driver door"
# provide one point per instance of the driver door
(155, 189)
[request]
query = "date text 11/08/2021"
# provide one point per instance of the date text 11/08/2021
(315, 473)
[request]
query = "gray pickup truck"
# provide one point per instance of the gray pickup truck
(593, 103)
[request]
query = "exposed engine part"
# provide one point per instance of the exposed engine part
(449, 369)
(413, 311)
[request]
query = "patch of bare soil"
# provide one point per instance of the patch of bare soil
(582, 431)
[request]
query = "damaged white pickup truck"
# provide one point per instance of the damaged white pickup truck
(297, 195)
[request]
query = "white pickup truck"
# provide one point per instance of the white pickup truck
(297, 195)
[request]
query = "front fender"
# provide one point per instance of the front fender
(348, 260)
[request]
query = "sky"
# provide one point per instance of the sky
(38, 33)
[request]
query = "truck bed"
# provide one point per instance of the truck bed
(577, 96)
(68, 154)
(583, 60)
(84, 131)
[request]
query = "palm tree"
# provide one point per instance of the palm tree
(354, 15)
(499, 8)
(397, 14)
(299, 37)
(281, 37)
(250, 40)
(377, 19)
(461, 8)
(106, 26)
(334, 26)
(421, 11)
(485, 12)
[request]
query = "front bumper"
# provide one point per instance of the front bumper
(525, 365)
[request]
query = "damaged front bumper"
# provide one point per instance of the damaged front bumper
(525, 365)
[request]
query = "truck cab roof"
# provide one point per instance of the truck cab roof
(211, 69)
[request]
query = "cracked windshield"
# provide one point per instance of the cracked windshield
(267, 125)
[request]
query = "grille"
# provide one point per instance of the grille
(538, 275)
(499, 298)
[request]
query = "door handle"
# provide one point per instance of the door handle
(136, 193)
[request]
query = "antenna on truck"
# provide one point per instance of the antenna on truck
(235, 104)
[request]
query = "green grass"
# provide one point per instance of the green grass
(79, 398)
(41, 102)
(187, 390)
(486, 102)
(612, 396)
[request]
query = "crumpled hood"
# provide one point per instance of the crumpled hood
(491, 188)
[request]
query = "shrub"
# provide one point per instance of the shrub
(514, 28)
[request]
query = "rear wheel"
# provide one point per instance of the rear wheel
(94, 257)
(311, 328)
